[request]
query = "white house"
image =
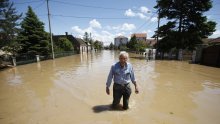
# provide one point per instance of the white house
(120, 40)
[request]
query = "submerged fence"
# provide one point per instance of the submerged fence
(22, 59)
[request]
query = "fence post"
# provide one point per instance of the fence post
(180, 56)
(38, 58)
(14, 61)
(194, 56)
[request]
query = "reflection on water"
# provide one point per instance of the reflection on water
(72, 90)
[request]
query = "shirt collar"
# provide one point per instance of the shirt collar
(126, 64)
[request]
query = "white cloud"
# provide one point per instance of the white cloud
(81, 31)
(108, 27)
(144, 9)
(106, 34)
(154, 19)
(149, 31)
(128, 27)
(129, 13)
(141, 15)
(215, 34)
(77, 29)
(95, 24)
(120, 34)
(122, 27)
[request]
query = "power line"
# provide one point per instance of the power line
(87, 17)
(39, 5)
(34, 1)
(145, 23)
(89, 6)
(96, 7)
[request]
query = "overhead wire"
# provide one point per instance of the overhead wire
(87, 17)
(39, 5)
(34, 1)
(145, 22)
(88, 6)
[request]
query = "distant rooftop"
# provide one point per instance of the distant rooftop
(139, 34)
(216, 40)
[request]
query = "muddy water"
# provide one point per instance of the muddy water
(71, 90)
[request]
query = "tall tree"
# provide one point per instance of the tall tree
(32, 36)
(131, 44)
(186, 21)
(111, 46)
(86, 36)
(98, 45)
(8, 23)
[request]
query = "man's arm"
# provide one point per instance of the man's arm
(109, 80)
(136, 87)
(134, 81)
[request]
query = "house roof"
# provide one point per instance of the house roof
(139, 34)
(151, 42)
(71, 38)
(81, 41)
(216, 40)
(207, 40)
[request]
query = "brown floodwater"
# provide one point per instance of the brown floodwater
(71, 90)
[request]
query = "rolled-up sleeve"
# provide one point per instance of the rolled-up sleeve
(132, 76)
(110, 76)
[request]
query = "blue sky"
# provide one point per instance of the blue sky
(105, 19)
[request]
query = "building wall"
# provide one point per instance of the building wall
(120, 41)
(211, 56)
(141, 38)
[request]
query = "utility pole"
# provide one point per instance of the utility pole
(158, 25)
(51, 39)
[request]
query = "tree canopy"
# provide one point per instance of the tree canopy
(63, 44)
(187, 25)
(33, 38)
(8, 24)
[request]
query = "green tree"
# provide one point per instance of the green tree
(186, 21)
(98, 45)
(91, 41)
(168, 35)
(33, 38)
(111, 46)
(140, 46)
(63, 44)
(123, 47)
(131, 44)
(8, 26)
(86, 37)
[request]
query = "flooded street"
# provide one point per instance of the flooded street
(71, 90)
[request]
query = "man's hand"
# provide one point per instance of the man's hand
(107, 90)
(136, 90)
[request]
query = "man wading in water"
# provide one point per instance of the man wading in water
(122, 73)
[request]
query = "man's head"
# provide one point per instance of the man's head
(123, 57)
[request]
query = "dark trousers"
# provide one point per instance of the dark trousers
(118, 92)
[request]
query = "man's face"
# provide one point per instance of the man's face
(123, 60)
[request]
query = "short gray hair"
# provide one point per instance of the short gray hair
(124, 53)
